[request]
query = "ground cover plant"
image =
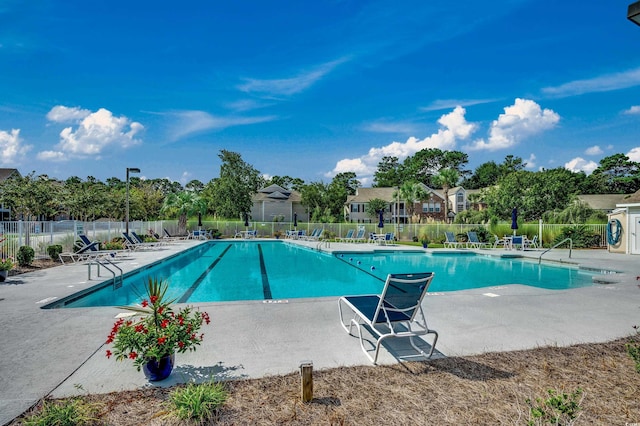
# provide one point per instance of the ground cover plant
(593, 383)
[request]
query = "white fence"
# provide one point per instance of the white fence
(40, 235)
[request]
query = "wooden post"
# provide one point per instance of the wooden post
(306, 371)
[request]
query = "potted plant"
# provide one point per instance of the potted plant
(424, 240)
(6, 264)
(277, 234)
(152, 339)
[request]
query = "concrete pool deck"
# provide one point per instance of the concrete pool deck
(60, 352)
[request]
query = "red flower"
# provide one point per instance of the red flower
(140, 328)
(164, 323)
(181, 345)
(145, 303)
(153, 299)
(133, 355)
(161, 340)
(160, 309)
(109, 353)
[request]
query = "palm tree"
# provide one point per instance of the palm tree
(183, 204)
(447, 179)
(411, 192)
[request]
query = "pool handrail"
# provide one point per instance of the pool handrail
(560, 243)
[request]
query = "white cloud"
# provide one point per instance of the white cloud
(452, 103)
(604, 83)
(594, 150)
(520, 120)
(382, 127)
(96, 131)
(454, 127)
(186, 123)
(63, 114)
(579, 164)
(12, 148)
(634, 154)
(290, 86)
(633, 110)
(531, 162)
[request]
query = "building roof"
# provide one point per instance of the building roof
(275, 192)
(631, 198)
(6, 173)
(364, 195)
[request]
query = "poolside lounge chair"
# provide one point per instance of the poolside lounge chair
(360, 236)
(450, 240)
(168, 237)
(86, 252)
(473, 241)
(132, 243)
(504, 242)
(531, 244)
(315, 235)
(348, 236)
(396, 312)
(140, 240)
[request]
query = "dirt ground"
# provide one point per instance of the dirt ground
(493, 388)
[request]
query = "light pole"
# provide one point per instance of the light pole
(126, 213)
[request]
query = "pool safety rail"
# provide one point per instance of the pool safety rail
(559, 244)
(108, 265)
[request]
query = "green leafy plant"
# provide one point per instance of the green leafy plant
(581, 236)
(6, 264)
(633, 349)
(53, 251)
(424, 239)
(112, 245)
(159, 331)
(198, 401)
(25, 255)
(559, 409)
(74, 411)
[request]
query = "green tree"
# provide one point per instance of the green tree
(182, 205)
(374, 206)
(619, 174)
(446, 179)
(342, 185)
(411, 192)
(230, 195)
(424, 165)
(286, 182)
(388, 173)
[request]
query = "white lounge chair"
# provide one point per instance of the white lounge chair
(473, 241)
(450, 240)
(396, 312)
(348, 236)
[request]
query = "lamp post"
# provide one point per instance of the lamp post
(633, 12)
(126, 213)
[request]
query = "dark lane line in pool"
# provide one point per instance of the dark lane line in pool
(195, 285)
(348, 262)
(266, 288)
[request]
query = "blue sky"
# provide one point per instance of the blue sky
(311, 89)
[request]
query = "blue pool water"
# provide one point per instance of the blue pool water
(231, 271)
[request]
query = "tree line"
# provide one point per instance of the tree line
(229, 196)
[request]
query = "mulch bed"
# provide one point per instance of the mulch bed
(491, 388)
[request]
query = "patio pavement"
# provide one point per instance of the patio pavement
(60, 352)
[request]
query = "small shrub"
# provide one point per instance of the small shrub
(25, 256)
(112, 245)
(581, 236)
(68, 412)
(558, 409)
(633, 349)
(53, 252)
(198, 401)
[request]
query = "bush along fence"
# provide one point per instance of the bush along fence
(41, 235)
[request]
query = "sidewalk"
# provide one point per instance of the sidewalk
(60, 352)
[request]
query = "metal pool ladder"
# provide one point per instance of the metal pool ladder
(560, 243)
(104, 262)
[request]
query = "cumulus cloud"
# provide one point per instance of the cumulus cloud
(579, 164)
(63, 114)
(12, 148)
(454, 127)
(594, 150)
(634, 154)
(633, 110)
(95, 132)
(522, 119)
(531, 162)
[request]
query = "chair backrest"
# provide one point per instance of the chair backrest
(389, 236)
(361, 232)
(402, 295)
(89, 247)
(128, 239)
(517, 240)
(349, 233)
(473, 237)
(84, 239)
(166, 232)
(450, 237)
(137, 238)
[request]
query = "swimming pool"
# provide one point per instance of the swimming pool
(274, 270)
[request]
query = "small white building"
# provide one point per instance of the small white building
(623, 229)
